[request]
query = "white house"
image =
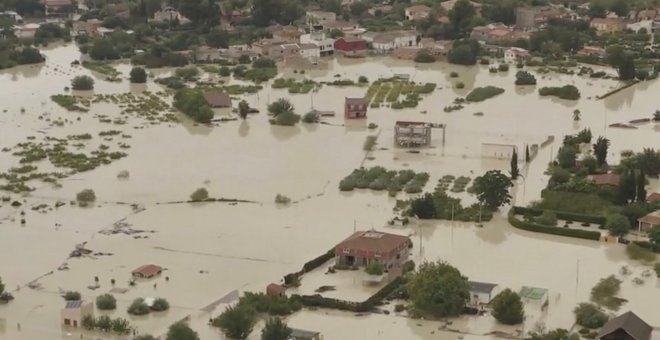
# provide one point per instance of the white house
(169, 14)
(26, 31)
(515, 53)
(387, 41)
(324, 44)
(481, 293)
(310, 52)
(636, 26)
(417, 12)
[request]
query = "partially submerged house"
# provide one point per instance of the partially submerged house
(627, 326)
(75, 311)
(645, 223)
(147, 271)
(365, 247)
(407, 134)
(515, 53)
(301, 334)
(355, 108)
(275, 290)
(351, 46)
(387, 41)
(481, 293)
(217, 99)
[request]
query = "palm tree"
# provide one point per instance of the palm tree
(600, 150)
(280, 106)
(243, 109)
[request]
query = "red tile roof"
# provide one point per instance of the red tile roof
(147, 270)
(374, 242)
(606, 179)
(217, 99)
(653, 197)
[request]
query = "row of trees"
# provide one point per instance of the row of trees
(238, 323)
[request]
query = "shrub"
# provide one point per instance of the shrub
(181, 331)
(264, 62)
(88, 322)
(589, 315)
(160, 305)
(281, 199)
(71, 296)
(399, 308)
(636, 252)
(192, 103)
(236, 322)
(138, 307)
(375, 268)
(199, 195)
(224, 71)
(286, 119)
(525, 78)
(460, 85)
(453, 75)
(138, 75)
(547, 218)
(310, 117)
(503, 67)
(82, 83)
(86, 196)
(617, 224)
(187, 73)
(483, 93)
(605, 291)
(508, 308)
(424, 56)
(568, 92)
(363, 80)
(529, 226)
(104, 323)
(106, 302)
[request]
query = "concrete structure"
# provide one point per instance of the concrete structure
(515, 53)
(89, 27)
(26, 31)
(317, 37)
(481, 293)
(147, 271)
(645, 223)
(417, 12)
(528, 18)
(365, 247)
(169, 14)
(607, 25)
(74, 312)
(627, 326)
(263, 46)
(310, 52)
(647, 14)
(387, 41)
(351, 46)
(491, 33)
(284, 51)
(637, 26)
(320, 17)
(407, 134)
(355, 108)
(439, 48)
(217, 99)
(288, 34)
(379, 10)
(274, 289)
(300, 334)
(449, 5)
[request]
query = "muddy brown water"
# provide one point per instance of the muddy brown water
(212, 249)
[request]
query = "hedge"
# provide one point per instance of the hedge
(530, 226)
(310, 265)
(648, 245)
(563, 215)
(359, 307)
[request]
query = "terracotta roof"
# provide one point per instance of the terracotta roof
(652, 218)
(217, 99)
(374, 241)
(653, 197)
(606, 179)
(630, 323)
(274, 287)
(147, 270)
(356, 101)
(418, 8)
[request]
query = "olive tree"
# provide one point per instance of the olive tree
(438, 289)
(508, 307)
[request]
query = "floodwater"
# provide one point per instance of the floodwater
(210, 250)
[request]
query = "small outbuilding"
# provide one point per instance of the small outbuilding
(481, 293)
(355, 108)
(275, 290)
(75, 311)
(534, 295)
(645, 223)
(407, 134)
(627, 326)
(653, 197)
(301, 334)
(217, 99)
(147, 271)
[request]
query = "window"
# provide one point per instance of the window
(346, 251)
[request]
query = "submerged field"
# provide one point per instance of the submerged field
(213, 249)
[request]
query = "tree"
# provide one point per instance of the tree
(225, 71)
(138, 307)
(2, 286)
(654, 235)
(463, 54)
(121, 326)
(82, 83)
(514, 165)
(620, 7)
(336, 33)
(640, 181)
(600, 150)
(359, 8)
(527, 156)
(88, 322)
(103, 49)
(331, 6)
(375, 268)
(243, 109)
(617, 224)
(492, 189)
(192, 103)
(622, 61)
(181, 331)
(597, 9)
(589, 315)
(199, 195)
(236, 322)
(160, 305)
(424, 56)
(104, 323)
(71, 296)
(460, 18)
(423, 207)
(438, 289)
(218, 38)
(576, 115)
(508, 308)
(138, 75)
(525, 78)
(275, 329)
(106, 302)
(280, 106)
(566, 157)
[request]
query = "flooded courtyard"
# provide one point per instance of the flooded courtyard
(212, 250)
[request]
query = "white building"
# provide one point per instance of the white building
(481, 293)
(515, 53)
(310, 52)
(26, 31)
(636, 26)
(387, 41)
(324, 44)
(170, 14)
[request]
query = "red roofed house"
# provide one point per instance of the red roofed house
(592, 51)
(645, 223)
(607, 25)
(355, 108)
(365, 247)
(653, 197)
(606, 179)
(147, 271)
(351, 46)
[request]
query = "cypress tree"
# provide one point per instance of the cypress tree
(527, 159)
(514, 165)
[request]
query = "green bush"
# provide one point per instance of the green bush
(187, 73)
(503, 67)
(589, 315)
(375, 268)
(460, 85)
(160, 305)
(201, 194)
(482, 93)
(138, 75)
(72, 296)
(424, 56)
(192, 103)
(525, 78)
(568, 92)
(106, 302)
(547, 218)
(636, 252)
(453, 74)
(225, 71)
(86, 196)
(82, 83)
(138, 307)
(529, 226)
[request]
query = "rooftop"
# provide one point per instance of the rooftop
(356, 101)
(418, 8)
(631, 324)
(653, 197)
(73, 304)
(217, 99)
(533, 293)
(651, 218)
(374, 241)
(481, 287)
(606, 179)
(147, 270)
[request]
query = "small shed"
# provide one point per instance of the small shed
(653, 197)
(274, 289)
(534, 295)
(645, 223)
(301, 334)
(627, 326)
(75, 311)
(355, 108)
(217, 99)
(481, 293)
(147, 271)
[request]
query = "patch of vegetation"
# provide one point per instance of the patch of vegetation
(106, 302)
(525, 78)
(85, 197)
(375, 268)
(138, 307)
(82, 83)
(605, 291)
(201, 194)
(304, 86)
(636, 252)
(378, 178)
(71, 103)
(568, 92)
(71, 296)
(482, 93)
(192, 103)
(590, 316)
(103, 68)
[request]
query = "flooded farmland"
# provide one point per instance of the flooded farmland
(210, 250)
